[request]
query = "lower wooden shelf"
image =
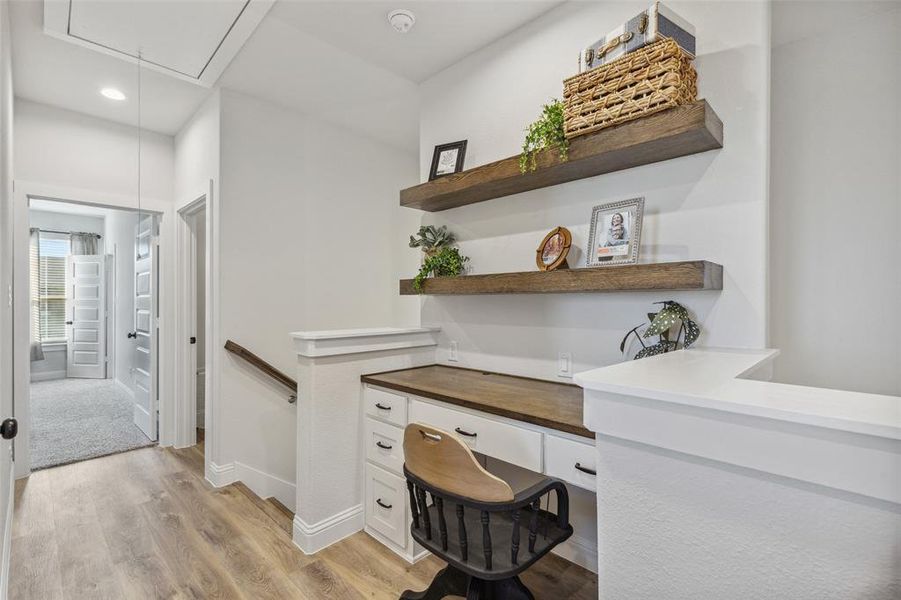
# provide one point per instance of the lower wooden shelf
(672, 276)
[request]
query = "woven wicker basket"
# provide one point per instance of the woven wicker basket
(648, 80)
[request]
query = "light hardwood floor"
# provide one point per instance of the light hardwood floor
(145, 524)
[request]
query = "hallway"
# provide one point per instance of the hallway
(145, 524)
(78, 419)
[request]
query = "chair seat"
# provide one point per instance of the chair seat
(501, 526)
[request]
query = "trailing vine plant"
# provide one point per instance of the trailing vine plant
(546, 132)
(662, 324)
(446, 262)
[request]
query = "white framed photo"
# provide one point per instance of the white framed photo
(615, 234)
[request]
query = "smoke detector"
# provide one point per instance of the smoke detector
(401, 20)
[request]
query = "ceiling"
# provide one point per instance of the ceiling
(338, 60)
(445, 31)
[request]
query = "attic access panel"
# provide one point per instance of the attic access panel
(193, 40)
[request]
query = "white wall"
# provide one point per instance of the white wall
(836, 196)
(312, 238)
(56, 146)
(120, 242)
(54, 364)
(710, 206)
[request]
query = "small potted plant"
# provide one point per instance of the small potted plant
(431, 239)
(440, 258)
(546, 132)
(673, 317)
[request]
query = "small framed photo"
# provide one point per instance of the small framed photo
(551, 253)
(447, 159)
(615, 234)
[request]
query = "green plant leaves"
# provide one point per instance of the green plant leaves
(672, 315)
(447, 262)
(430, 238)
(546, 132)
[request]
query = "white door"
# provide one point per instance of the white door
(145, 331)
(85, 307)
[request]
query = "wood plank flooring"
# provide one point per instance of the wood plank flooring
(145, 524)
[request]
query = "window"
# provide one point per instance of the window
(48, 286)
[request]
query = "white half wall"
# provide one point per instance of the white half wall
(120, 242)
(709, 206)
(836, 196)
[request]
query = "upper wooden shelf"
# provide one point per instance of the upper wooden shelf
(679, 131)
(674, 276)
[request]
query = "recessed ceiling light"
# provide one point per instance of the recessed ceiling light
(112, 93)
(401, 20)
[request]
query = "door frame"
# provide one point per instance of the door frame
(24, 191)
(185, 326)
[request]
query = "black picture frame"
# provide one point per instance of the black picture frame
(460, 147)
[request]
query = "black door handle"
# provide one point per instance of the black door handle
(382, 504)
(585, 469)
(466, 433)
(68, 322)
(192, 340)
(9, 429)
(132, 335)
(383, 446)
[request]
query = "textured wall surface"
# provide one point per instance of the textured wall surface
(669, 522)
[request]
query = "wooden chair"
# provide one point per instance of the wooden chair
(474, 521)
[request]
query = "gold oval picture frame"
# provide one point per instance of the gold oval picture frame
(553, 250)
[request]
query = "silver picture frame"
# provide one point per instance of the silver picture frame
(613, 241)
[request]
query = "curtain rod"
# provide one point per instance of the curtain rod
(97, 235)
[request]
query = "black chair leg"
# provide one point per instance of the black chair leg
(504, 589)
(448, 582)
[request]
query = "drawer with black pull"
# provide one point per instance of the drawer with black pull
(384, 445)
(573, 462)
(386, 406)
(386, 509)
(510, 443)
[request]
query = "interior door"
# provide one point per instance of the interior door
(85, 307)
(146, 329)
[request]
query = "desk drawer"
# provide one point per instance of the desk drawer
(509, 443)
(385, 406)
(385, 445)
(386, 506)
(561, 455)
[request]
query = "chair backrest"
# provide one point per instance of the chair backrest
(442, 460)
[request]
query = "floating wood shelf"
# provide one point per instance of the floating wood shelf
(674, 276)
(679, 131)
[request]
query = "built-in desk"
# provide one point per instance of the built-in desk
(529, 423)
(545, 403)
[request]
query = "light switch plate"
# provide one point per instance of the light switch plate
(565, 364)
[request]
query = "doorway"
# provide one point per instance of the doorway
(93, 274)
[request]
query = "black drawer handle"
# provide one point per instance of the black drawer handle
(382, 504)
(466, 433)
(585, 469)
(383, 446)
(381, 407)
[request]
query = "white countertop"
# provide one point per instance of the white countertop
(335, 342)
(334, 334)
(713, 378)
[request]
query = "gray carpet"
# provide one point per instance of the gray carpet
(77, 419)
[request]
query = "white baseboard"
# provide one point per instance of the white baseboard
(265, 485)
(7, 537)
(47, 375)
(313, 538)
(581, 551)
(126, 389)
(221, 475)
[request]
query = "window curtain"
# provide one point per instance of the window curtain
(84, 244)
(37, 351)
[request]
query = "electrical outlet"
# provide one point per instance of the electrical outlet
(452, 354)
(565, 364)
